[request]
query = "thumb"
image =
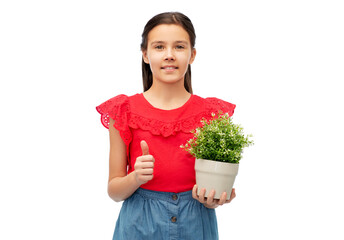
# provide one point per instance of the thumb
(144, 147)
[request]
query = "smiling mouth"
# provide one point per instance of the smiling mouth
(169, 67)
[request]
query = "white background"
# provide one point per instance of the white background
(281, 62)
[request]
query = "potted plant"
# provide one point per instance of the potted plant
(217, 146)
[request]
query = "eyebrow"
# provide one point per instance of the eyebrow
(161, 42)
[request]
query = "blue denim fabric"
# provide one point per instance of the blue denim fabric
(152, 215)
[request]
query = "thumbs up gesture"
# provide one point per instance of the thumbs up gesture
(144, 165)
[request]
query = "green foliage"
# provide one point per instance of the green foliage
(219, 139)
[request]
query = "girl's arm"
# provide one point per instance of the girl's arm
(122, 185)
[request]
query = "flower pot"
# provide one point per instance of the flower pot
(219, 176)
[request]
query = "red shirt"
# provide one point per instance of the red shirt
(164, 131)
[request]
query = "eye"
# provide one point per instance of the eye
(180, 47)
(159, 47)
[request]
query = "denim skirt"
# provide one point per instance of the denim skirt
(156, 215)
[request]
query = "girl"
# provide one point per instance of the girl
(148, 169)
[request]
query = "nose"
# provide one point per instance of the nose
(169, 54)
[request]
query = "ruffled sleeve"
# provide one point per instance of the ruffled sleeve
(215, 105)
(117, 108)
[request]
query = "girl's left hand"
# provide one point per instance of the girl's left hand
(209, 201)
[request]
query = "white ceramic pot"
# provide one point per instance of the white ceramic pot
(219, 176)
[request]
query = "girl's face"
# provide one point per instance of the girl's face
(168, 53)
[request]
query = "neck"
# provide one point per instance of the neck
(167, 96)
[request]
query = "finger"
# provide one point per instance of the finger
(145, 178)
(201, 195)
(145, 159)
(143, 164)
(233, 195)
(143, 175)
(210, 197)
(146, 171)
(147, 165)
(223, 198)
(144, 147)
(194, 192)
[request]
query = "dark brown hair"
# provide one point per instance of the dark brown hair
(166, 18)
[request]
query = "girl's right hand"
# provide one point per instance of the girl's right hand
(144, 165)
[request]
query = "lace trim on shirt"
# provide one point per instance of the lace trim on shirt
(166, 129)
(118, 108)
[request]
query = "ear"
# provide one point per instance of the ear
(144, 56)
(193, 55)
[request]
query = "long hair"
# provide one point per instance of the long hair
(166, 18)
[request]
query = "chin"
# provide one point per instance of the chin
(172, 81)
